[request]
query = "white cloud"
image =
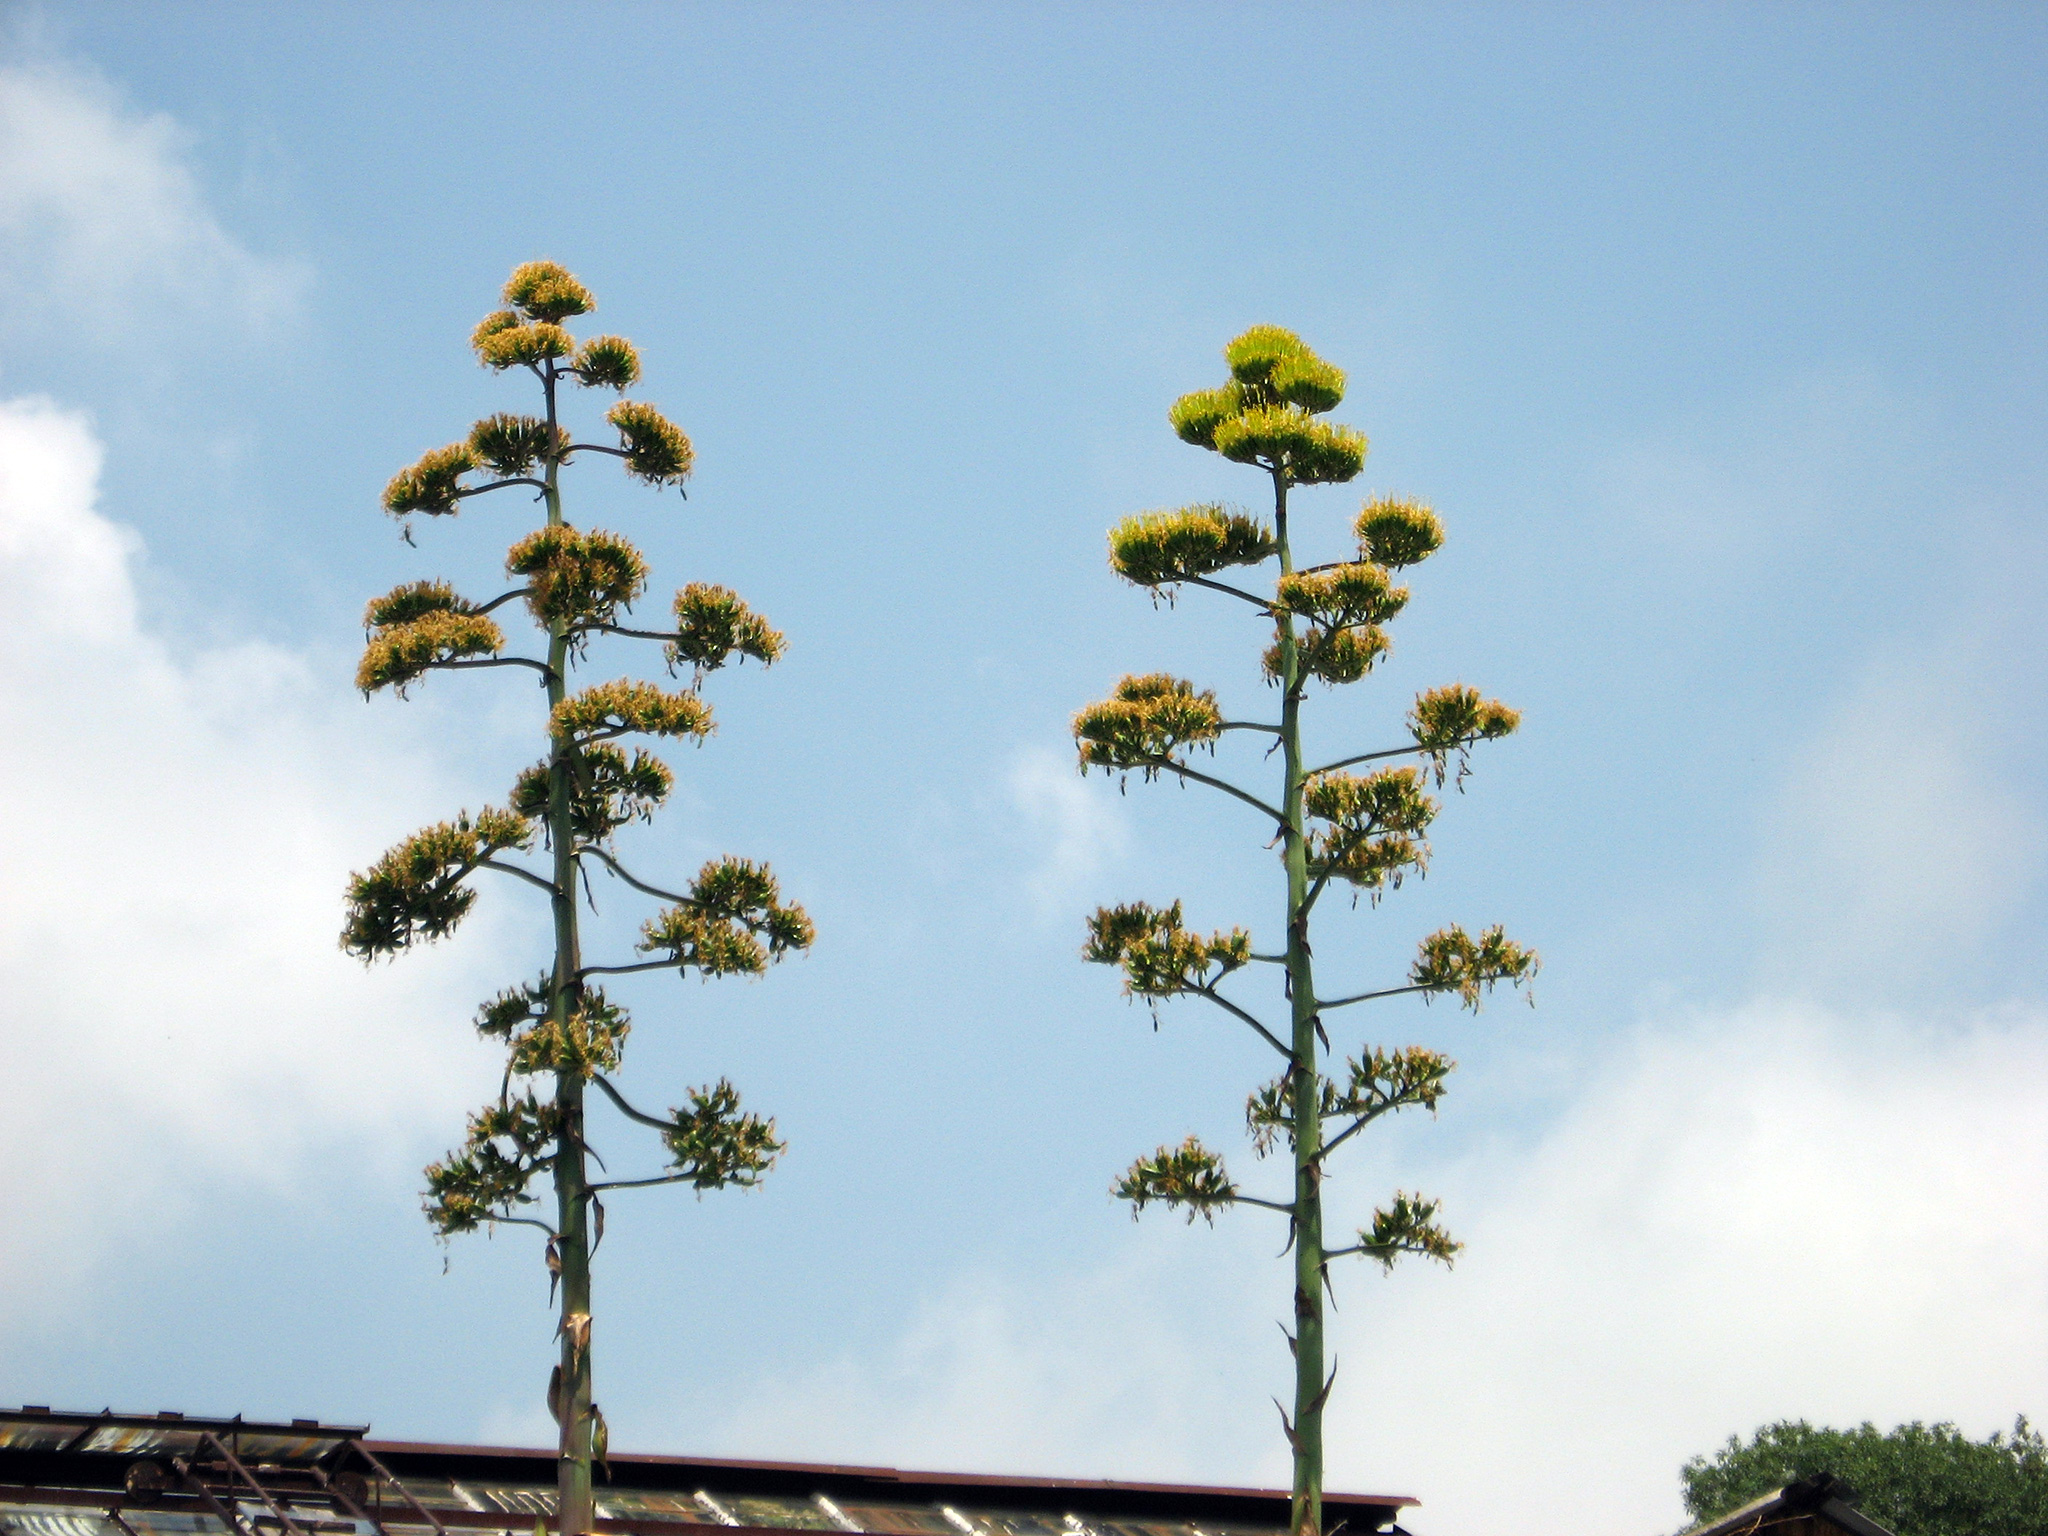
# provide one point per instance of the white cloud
(1063, 1373)
(103, 228)
(1076, 827)
(1778, 1213)
(1906, 836)
(1775, 1213)
(179, 825)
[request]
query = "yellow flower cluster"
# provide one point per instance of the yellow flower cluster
(1266, 415)
(1144, 723)
(626, 707)
(417, 627)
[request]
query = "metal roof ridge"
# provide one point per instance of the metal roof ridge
(171, 1418)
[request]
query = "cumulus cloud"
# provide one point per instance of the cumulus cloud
(1075, 825)
(1776, 1212)
(1780, 1212)
(103, 225)
(181, 821)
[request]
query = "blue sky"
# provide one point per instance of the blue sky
(1714, 332)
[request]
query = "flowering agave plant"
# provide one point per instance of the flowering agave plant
(561, 1034)
(1366, 829)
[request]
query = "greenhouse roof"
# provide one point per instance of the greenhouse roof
(109, 1474)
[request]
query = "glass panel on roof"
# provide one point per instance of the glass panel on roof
(635, 1503)
(34, 1435)
(169, 1439)
(58, 1522)
(516, 1499)
(791, 1514)
(434, 1492)
(164, 1522)
(625, 1503)
(299, 1448)
(1019, 1522)
(317, 1517)
(907, 1519)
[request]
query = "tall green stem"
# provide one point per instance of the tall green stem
(1304, 1083)
(572, 1184)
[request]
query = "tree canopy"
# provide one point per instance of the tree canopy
(1916, 1479)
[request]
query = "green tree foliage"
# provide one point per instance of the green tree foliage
(1367, 830)
(1916, 1480)
(561, 1034)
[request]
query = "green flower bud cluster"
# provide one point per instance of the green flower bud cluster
(1397, 533)
(542, 295)
(510, 445)
(590, 1041)
(1450, 719)
(714, 1145)
(547, 292)
(433, 485)
(656, 449)
(502, 340)
(1144, 723)
(1380, 1082)
(712, 625)
(1269, 1111)
(487, 1177)
(733, 924)
(416, 891)
(1189, 1175)
(1375, 823)
(417, 627)
(605, 790)
(577, 578)
(1451, 960)
(1266, 415)
(1159, 957)
(626, 707)
(607, 362)
(1334, 656)
(1157, 549)
(1408, 1228)
(512, 1009)
(1342, 596)
(1383, 1080)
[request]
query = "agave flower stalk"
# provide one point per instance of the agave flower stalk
(1327, 623)
(561, 1034)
